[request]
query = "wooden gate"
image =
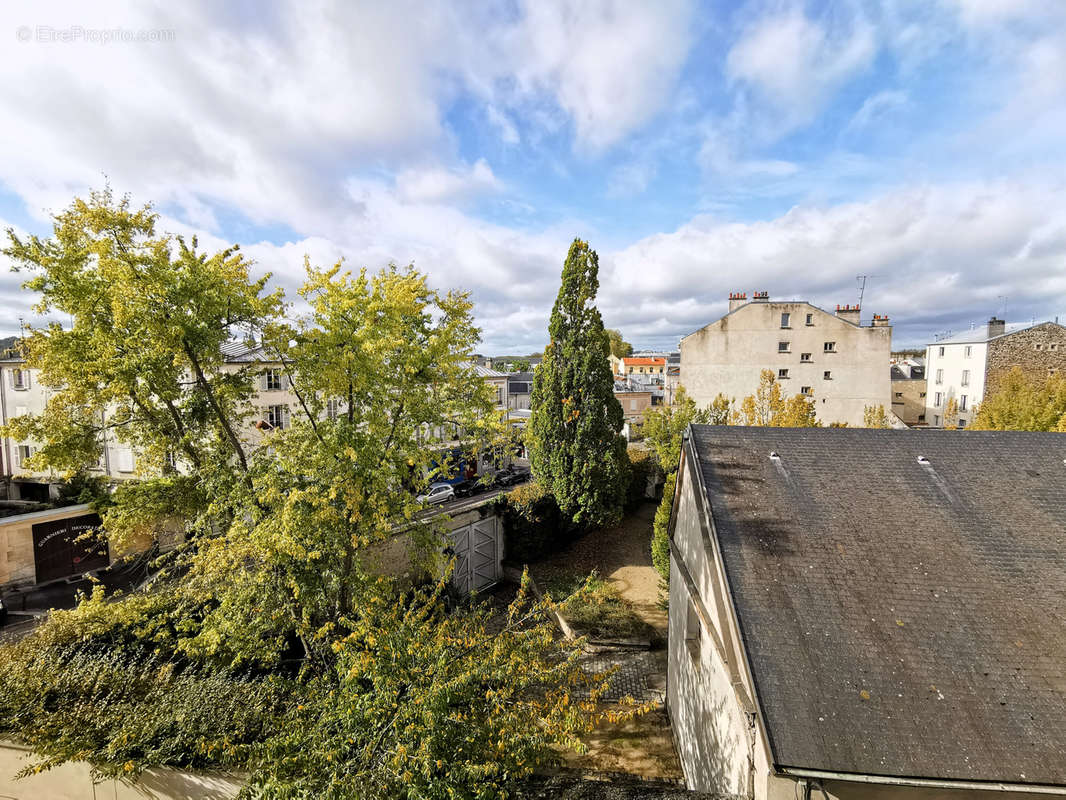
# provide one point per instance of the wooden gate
(59, 551)
(477, 555)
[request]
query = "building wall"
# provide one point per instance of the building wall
(908, 400)
(944, 367)
(710, 727)
(634, 404)
(1037, 351)
(729, 355)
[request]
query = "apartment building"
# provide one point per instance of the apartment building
(274, 402)
(830, 357)
(908, 388)
(964, 367)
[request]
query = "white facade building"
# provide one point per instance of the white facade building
(960, 368)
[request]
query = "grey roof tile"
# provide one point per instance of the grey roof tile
(900, 618)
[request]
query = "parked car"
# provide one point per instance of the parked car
(511, 476)
(437, 493)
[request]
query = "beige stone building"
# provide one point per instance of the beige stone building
(908, 389)
(831, 357)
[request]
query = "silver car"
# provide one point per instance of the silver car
(437, 493)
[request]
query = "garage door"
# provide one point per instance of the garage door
(59, 551)
(477, 555)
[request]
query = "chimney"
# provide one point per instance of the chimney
(849, 313)
(736, 300)
(880, 321)
(996, 327)
(760, 297)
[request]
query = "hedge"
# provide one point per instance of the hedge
(532, 523)
(660, 537)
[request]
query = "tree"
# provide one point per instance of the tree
(951, 415)
(576, 450)
(664, 427)
(875, 417)
(520, 365)
(1018, 403)
(720, 410)
(619, 347)
(143, 360)
(768, 407)
(266, 643)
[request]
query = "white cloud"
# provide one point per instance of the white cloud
(795, 62)
(437, 185)
(876, 106)
(936, 254)
(630, 179)
(611, 65)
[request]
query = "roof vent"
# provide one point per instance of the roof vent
(923, 461)
(774, 456)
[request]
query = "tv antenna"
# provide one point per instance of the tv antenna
(1002, 305)
(861, 279)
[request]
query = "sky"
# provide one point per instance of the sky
(700, 148)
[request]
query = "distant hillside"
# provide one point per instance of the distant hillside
(6, 345)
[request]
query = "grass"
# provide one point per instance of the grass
(594, 607)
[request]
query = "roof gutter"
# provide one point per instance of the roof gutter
(933, 783)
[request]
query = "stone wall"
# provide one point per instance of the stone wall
(1037, 351)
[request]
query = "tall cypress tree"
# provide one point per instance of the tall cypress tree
(576, 450)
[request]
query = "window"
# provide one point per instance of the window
(830, 347)
(806, 390)
(785, 320)
(24, 452)
(899, 394)
(1038, 346)
(20, 378)
(962, 423)
(962, 402)
(333, 408)
(272, 379)
(921, 417)
(810, 319)
(827, 376)
(936, 399)
(1052, 347)
(968, 351)
(782, 374)
(124, 457)
(941, 351)
(693, 633)
(966, 377)
(921, 394)
(632, 404)
(278, 416)
(782, 347)
(805, 357)
(939, 376)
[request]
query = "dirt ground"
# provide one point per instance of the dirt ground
(622, 555)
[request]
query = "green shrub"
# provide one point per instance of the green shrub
(642, 465)
(660, 537)
(532, 523)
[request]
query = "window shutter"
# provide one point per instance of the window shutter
(125, 459)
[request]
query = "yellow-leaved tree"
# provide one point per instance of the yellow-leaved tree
(769, 407)
(266, 643)
(1018, 403)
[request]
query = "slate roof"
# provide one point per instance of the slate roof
(930, 643)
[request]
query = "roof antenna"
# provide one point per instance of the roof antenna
(1002, 306)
